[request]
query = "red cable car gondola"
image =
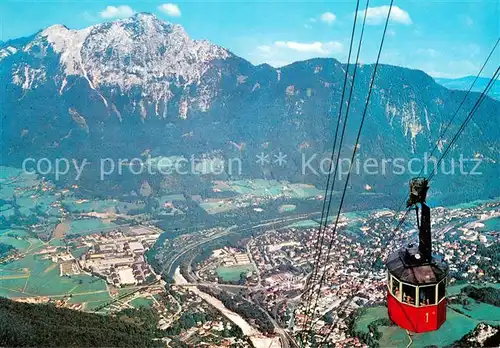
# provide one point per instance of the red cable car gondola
(416, 288)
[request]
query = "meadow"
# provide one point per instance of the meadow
(233, 273)
(88, 226)
(141, 302)
(39, 276)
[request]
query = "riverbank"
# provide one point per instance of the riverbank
(258, 339)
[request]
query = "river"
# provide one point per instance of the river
(258, 339)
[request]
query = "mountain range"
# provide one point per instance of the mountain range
(142, 87)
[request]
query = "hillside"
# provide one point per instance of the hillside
(29, 325)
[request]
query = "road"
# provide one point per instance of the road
(276, 221)
(250, 257)
(215, 285)
(286, 339)
(257, 338)
(189, 247)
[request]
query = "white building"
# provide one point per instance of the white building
(126, 275)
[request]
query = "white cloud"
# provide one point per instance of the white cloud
(122, 11)
(282, 53)
(170, 9)
(264, 48)
(328, 18)
(322, 48)
(378, 15)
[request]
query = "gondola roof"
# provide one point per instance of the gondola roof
(408, 266)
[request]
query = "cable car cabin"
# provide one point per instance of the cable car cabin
(416, 282)
(416, 297)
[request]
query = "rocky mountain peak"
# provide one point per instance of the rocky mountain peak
(136, 51)
(141, 51)
(147, 24)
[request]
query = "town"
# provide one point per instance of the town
(238, 280)
(275, 266)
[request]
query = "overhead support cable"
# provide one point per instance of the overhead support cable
(322, 225)
(474, 109)
(443, 133)
(367, 101)
(319, 246)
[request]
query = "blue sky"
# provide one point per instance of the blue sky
(444, 38)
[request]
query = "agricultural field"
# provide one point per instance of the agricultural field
(233, 273)
(305, 191)
(7, 211)
(172, 198)
(248, 192)
(90, 297)
(88, 226)
(51, 219)
(164, 164)
(32, 194)
(12, 178)
(104, 207)
(30, 274)
(60, 230)
(73, 205)
(20, 239)
(267, 188)
(139, 302)
(35, 275)
(217, 206)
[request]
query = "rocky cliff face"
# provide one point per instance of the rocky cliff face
(141, 85)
